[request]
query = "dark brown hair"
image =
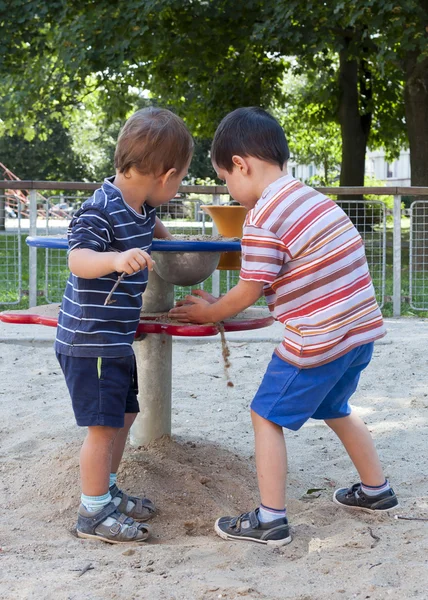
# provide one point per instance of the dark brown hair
(153, 140)
(249, 132)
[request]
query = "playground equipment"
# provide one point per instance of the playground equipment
(229, 220)
(153, 339)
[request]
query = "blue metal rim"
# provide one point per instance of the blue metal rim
(157, 245)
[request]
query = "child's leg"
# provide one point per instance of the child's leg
(358, 442)
(96, 460)
(267, 524)
(120, 441)
(271, 461)
(140, 509)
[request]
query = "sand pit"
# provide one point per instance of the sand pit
(207, 470)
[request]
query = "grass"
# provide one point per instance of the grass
(59, 273)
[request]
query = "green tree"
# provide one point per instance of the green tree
(206, 58)
(51, 158)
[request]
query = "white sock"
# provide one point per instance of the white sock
(370, 490)
(266, 514)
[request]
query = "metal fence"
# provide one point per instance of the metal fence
(40, 215)
(418, 276)
(10, 252)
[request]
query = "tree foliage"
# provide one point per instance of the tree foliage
(366, 63)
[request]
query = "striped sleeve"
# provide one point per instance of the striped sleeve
(90, 228)
(263, 255)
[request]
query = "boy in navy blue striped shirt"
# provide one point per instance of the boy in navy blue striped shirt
(112, 234)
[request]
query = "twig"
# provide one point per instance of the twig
(86, 568)
(375, 565)
(113, 289)
(410, 518)
(374, 536)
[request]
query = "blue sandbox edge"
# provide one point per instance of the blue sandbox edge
(157, 246)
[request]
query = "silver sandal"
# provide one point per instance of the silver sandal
(143, 508)
(123, 531)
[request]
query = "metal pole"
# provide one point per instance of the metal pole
(396, 297)
(216, 275)
(154, 364)
(32, 285)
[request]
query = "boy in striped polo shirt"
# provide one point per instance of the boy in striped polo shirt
(303, 253)
(110, 236)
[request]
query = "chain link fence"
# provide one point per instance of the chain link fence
(11, 291)
(418, 280)
(369, 217)
(24, 210)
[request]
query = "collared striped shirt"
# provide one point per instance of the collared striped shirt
(317, 281)
(104, 223)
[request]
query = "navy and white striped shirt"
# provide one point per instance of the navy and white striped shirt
(85, 326)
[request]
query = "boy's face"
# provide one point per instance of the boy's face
(239, 184)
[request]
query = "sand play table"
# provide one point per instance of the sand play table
(153, 339)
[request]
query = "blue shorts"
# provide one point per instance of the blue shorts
(289, 396)
(102, 390)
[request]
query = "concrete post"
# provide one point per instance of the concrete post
(154, 363)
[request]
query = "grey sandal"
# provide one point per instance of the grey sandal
(143, 508)
(123, 531)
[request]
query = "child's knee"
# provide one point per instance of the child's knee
(102, 433)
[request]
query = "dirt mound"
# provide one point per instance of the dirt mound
(192, 483)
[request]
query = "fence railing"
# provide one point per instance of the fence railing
(50, 214)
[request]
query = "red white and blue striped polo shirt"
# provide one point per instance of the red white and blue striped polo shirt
(317, 281)
(85, 326)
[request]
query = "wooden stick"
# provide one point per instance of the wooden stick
(113, 289)
(410, 518)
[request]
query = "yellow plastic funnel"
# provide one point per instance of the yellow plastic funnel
(229, 221)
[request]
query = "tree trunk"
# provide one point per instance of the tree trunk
(354, 127)
(416, 107)
(355, 122)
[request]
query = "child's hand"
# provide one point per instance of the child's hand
(191, 310)
(132, 261)
(202, 294)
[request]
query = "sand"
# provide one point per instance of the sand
(207, 470)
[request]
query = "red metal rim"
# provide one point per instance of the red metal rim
(146, 326)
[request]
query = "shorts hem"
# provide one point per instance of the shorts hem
(292, 426)
(101, 421)
(340, 415)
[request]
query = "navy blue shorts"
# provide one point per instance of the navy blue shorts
(289, 396)
(102, 390)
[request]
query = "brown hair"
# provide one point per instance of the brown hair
(153, 140)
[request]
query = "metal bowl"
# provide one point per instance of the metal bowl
(185, 268)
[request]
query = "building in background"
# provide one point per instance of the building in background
(396, 173)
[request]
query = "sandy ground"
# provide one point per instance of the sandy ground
(207, 470)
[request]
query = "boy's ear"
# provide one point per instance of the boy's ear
(167, 176)
(241, 164)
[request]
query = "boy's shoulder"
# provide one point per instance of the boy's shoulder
(285, 199)
(105, 198)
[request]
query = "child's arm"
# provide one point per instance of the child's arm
(161, 232)
(242, 296)
(90, 264)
